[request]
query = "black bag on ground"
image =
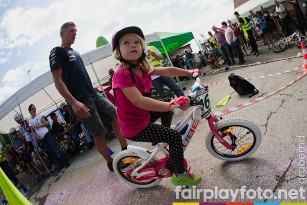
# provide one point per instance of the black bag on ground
(242, 86)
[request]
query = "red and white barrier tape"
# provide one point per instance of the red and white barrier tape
(250, 102)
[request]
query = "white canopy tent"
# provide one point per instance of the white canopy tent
(42, 92)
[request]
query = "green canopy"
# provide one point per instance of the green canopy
(172, 41)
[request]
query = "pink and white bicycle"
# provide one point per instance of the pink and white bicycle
(231, 139)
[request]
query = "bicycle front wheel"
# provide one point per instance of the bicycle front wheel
(298, 42)
(247, 139)
(279, 46)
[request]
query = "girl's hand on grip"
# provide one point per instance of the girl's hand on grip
(181, 102)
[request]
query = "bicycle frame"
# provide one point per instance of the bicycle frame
(199, 97)
(288, 39)
(199, 94)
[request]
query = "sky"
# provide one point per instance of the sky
(29, 29)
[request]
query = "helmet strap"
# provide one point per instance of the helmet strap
(131, 65)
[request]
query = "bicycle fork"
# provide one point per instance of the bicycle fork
(211, 120)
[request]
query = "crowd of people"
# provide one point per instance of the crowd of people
(40, 147)
(233, 38)
(38, 143)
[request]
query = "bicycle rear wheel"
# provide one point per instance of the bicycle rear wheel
(298, 42)
(247, 139)
(279, 46)
(123, 164)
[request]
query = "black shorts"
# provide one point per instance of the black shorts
(102, 114)
(265, 30)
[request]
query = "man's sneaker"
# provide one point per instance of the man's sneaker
(187, 180)
(110, 166)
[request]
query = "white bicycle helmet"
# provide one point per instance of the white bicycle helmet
(12, 131)
(18, 117)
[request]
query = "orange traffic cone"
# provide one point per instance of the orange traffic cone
(304, 55)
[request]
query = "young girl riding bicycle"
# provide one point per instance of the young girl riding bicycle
(136, 111)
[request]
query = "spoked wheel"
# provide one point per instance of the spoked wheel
(279, 46)
(298, 42)
(124, 163)
(247, 138)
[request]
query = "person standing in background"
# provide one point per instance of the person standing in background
(219, 35)
(6, 168)
(233, 42)
(248, 33)
(111, 73)
(154, 58)
(284, 17)
(38, 126)
(299, 16)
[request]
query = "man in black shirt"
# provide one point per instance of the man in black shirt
(73, 83)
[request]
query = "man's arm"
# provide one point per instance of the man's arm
(43, 123)
(158, 57)
(220, 29)
(79, 108)
(293, 1)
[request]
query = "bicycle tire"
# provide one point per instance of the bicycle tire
(279, 46)
(298, 42)
(117, 162)
(233, 123)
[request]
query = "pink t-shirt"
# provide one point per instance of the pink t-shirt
(132, 120)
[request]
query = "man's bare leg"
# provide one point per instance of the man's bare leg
(100, 144)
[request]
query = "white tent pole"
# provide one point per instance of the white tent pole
(89, 59)
(169, 59)
(51, 98)
(197, 44)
